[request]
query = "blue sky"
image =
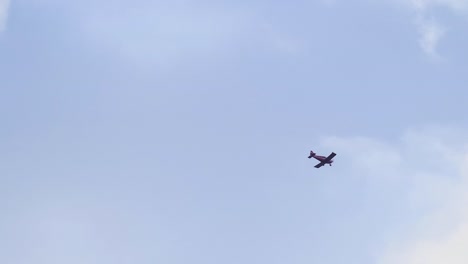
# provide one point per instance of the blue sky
(175, 132)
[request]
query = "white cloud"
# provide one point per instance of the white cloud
(4, 6)
(430, 30)
(454, 5)
(165, 33)
(430, 35)
(431, 166)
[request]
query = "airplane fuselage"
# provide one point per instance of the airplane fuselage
(322, 158)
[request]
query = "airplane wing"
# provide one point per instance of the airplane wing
(319, 165)
(331, 156)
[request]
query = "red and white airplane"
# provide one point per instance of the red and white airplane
(323, 160)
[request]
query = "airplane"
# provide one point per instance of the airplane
(323, 160)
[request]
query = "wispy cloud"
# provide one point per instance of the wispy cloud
(430, 35)
(166, 33)
(4, 6)
(429, 167)
(455, 5)
(430, 30)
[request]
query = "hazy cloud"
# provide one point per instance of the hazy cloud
(430, 30)
(430, 35)
(455, 5)
(164, 34)
(431, 167)
(4, 6)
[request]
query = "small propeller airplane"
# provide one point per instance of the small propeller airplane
(323, 160)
